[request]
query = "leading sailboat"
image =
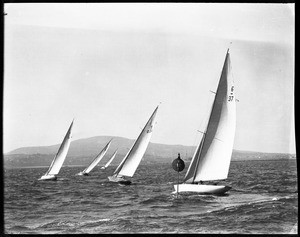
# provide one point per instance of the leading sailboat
(59, 158)
(212, 157)
(134, 156)
(96, 160)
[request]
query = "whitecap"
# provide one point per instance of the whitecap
(102, 220)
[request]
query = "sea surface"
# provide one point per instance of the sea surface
(263, 200)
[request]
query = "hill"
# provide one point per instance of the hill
(83, 150)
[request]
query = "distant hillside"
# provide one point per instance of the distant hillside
(83, 150)
(92, 146)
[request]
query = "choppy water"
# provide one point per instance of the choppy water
(264, 199)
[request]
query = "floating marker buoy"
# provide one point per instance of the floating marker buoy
(178, 164)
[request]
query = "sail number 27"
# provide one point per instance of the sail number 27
(230, 97)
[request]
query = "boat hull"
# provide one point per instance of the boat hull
(81, 173)
(202, 188)
(119, 180)
(48, 177)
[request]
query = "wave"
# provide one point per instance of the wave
(94, 223)
(57, 223)
(258, 202)
(114, 205)
(20, 228)
(254, 206)
(155, 199)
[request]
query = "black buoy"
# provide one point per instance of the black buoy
(178, 165)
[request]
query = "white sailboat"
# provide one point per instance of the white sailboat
(110, 160)
(96, 160)
(134, 156)
(59, 158)
(212, 157)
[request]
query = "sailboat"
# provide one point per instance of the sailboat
(212, 156)
(134, 156)
(59, 158)
(95, 161)
(110, 160)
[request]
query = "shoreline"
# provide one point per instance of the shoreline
(187, 162)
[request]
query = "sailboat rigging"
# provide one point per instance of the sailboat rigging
(212, 156)
(96, 160)
(134, 156)
(59, 158)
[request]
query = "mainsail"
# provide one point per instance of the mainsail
(97, 159)
(111, 159)
(212, 157)
(61, 154)
(134, 156)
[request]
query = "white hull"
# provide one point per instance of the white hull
(81, 173)
(48, 177)
(201, 188)
(120, 180)
(103, 168)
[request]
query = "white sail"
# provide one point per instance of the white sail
(192, 168)
(61, 154)
(212, 157)
(134, 156)
(97, 159)
(111, 159)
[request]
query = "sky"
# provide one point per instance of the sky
(109, 65)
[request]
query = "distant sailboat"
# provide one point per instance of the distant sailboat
(110, 160)
(134, 156)
(212, 157)
(96, 160)
(59, 158)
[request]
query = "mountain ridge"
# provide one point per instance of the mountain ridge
(83, 150)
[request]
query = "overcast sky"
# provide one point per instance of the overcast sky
(110, 65)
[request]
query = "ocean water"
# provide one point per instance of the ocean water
(263, 200)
